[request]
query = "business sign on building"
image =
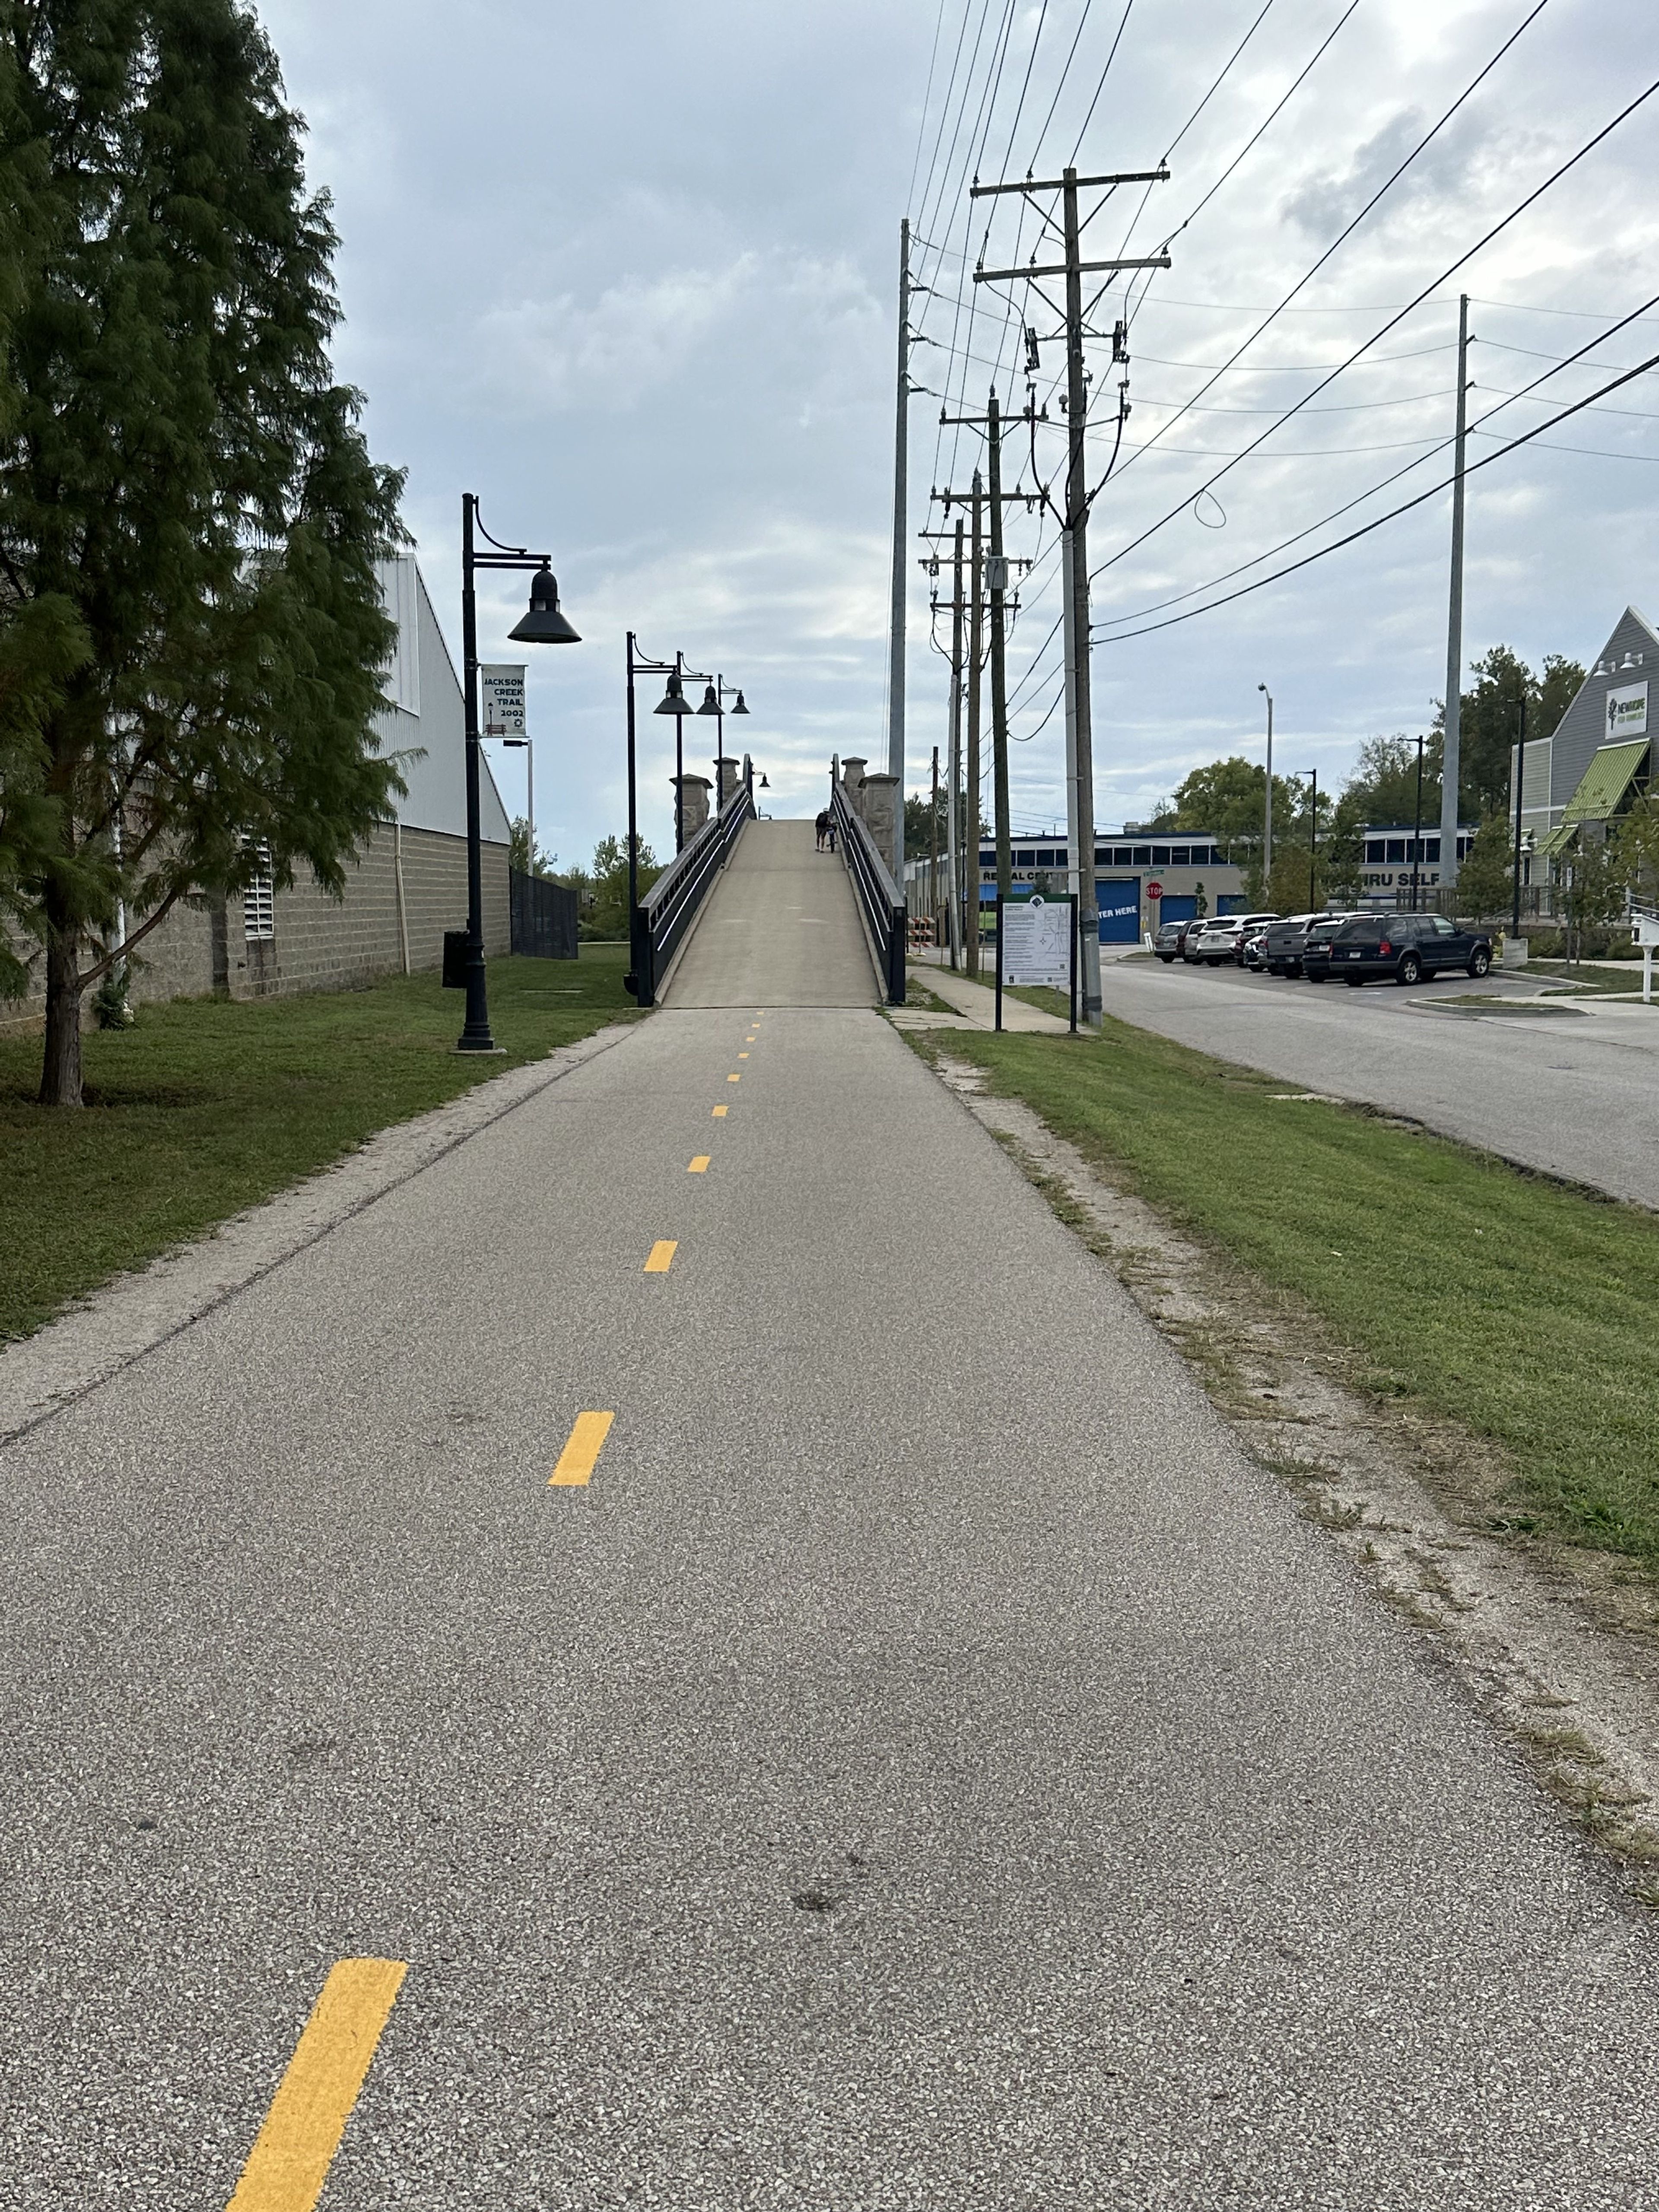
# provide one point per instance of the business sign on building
(1037, 942)
(1627, 712)
(502, 698)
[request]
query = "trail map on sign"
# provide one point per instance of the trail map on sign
(1037, 945)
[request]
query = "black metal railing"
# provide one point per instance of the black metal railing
(670, 907)
(877, 895)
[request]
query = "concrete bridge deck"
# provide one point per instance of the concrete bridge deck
(780, 929)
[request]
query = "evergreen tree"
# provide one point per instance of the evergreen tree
(1490, 720)
(189, 621)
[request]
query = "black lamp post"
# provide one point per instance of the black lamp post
(543, 625)
(714, 702)
(673, 702)
(1313, 841)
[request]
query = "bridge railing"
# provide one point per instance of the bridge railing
(878, 896)
(668, 909)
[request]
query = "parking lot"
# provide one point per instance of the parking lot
(1571, 1089)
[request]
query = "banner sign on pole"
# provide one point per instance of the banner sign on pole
(501, 693)
(1035, 940)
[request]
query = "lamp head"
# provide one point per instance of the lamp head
(674, 701)
(741, 708)
(543, 624)
(710, 705)
(765, 786)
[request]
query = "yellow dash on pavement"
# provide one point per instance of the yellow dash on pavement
(582, 1451)
(700, 1165)
(289, 2161)
(734, 1079)
(721, 1113)
(662, 1253)
(743, 1055)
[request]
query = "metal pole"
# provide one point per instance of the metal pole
(1520, 793)
(1417, 831)
(474, 1034)
(955, 792)
(999, 672)
(529, 795)
(1077, 514)
(999, 959)
(932, 841)
(1068, 648)
(1453, 715)
(636, 980)
(901, 504)
(1268, 813)
(975, 658)
(1313, 846)
(679, 767)
(719, 739)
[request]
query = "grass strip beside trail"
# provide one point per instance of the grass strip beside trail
(208, 1106)
(1520, 1308)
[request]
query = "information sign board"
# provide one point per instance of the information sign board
(1037, 942)
(500, 689)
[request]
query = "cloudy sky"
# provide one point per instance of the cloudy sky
(629, 273)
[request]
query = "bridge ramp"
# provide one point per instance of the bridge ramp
(780, 929)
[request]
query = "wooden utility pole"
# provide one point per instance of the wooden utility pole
(975, 661)
(901, 534)
(1452, 745)
(1075, 523)
(996, 578)
(953, 796)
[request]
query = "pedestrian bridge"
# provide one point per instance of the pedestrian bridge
(779, 926)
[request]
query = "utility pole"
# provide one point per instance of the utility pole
(1454, 711)
(975, 662)
(1075, 523)
(996, 577)
(901, 532)
(1520, 783)
(932, 841)
(954, 791)
(1313, 845)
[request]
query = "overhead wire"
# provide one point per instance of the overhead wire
(1502, 224)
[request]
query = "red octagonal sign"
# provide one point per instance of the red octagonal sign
(1154, 890)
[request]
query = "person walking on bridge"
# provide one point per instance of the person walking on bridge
(822, 825)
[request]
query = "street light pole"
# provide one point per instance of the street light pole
(543, 625)
(1417, 831)
(1313, 844)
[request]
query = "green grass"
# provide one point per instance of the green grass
(208, 1106)
(1522, 1309)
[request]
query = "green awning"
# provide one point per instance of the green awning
(1605, 781)
(1556, 842)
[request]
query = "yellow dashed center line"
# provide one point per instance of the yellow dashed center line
(734, 1079)
(743, 1055)
(289, 2161)
(700, 1165)
(582, 1451)
(721, 1113)
(662, 1256)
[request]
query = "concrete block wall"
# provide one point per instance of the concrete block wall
(320, 944)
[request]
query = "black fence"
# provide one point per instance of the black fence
(544, 917)
(878, 895)
(670, 907)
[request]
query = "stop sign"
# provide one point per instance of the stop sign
(1154, 890)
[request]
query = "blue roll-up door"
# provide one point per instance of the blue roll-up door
(1119, 898)
(1178, 908)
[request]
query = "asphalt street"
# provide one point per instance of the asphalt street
(1574, 1093)
(923, 1765)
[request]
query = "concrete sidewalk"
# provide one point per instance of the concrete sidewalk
(975, 1004)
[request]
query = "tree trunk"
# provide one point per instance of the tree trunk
(60, 1073)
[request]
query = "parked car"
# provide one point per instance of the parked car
(1170, 943)
(1407, 946)
(1282, 952)
(1252, 950)
(1223, 939)
(1316, 946)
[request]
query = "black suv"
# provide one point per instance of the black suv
(1282, 954)
(1407, 946)
(1316, 946)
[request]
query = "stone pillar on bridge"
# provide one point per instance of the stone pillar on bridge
(728, 768)
(852, 783)
(695, 800)
(879, 804)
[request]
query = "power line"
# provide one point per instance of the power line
(1371, 490)
(1502, 224)
(1526, 438)
(1346, 232)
